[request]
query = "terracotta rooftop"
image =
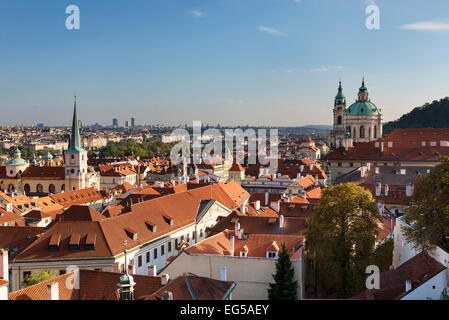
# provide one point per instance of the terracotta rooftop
(192, 287)
(93, 285)
(418, 270)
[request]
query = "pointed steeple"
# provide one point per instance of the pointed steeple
(340, 98)
(75, 144)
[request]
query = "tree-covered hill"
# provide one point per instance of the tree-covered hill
(430, 115)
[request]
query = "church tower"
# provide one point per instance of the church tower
(75, 159)
(339, 128)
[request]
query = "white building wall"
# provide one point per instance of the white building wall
(430, 290)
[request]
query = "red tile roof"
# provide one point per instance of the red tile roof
(192, 287)
(93, 285)
(418, 270)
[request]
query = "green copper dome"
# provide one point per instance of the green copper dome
(363, 108)
(17, 161)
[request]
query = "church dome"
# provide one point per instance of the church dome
(17, 161)
(363, 108)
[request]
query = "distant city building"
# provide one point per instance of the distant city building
(133, 122)
(115, 123)
(40, 126)
(126, 124)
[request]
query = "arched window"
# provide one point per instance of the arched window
(354, 133)
(375, 131)
(39, 188)
(26, 189)
(52, 188)
(362, 132)
(339, 120)
(350, 132)
(63, 188)
(369, 132)
(11, 188)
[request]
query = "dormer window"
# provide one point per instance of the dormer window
(131, 233)
(243, 254)
(272, 254)
(74, 243)
(53, 245)
(90, 241)
(151, 226)
(169, 220)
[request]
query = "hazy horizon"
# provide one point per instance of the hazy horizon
(257, 62)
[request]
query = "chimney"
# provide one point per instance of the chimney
(301, 168)
(378, 188)
(53, 290)
(223, 275)
(164, 279)
(376, 170)
(267, 198)
(382, 147)
(409, 190)
(257, 205)
(408, 285)
(152, 271)
(362, 172)
(381, 207)
(386, 190)
(167, 295)
(243, 208)
(368, 166)
(197, 179)
(275, 205)
(8, 207)
(311, 167)
(232, 245)
(237, 229)
(281, 221)
(4, 267)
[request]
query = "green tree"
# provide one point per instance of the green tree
(284, 287)
(444, 294)
(428, 214)
(341, 237)
(35, 277)
(383, 255)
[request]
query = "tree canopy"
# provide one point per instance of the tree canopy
(36, 277)
(127, 148)
(341, 237)
(428, 214)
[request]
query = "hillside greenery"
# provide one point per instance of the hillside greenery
(430, 115)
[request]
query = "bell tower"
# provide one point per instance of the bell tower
(75, 158)
(339, 128)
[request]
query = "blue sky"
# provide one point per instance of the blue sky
(257, 62)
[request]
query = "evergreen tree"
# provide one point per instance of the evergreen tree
(284, 287)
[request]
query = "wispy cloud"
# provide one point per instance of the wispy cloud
(339, 67)
(370, 2)
(196, 13)
(272, 31)
(297, 1)
(320, 69)
(427, 26)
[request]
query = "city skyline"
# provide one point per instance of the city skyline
(271, 62)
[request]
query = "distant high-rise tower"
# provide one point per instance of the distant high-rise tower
(126, 124)
(115, 123)
(133, 122)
